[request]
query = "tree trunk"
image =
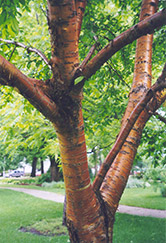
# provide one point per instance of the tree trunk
(85, 215)
(90, 209)
(117, 176)
(42, 167)
(64, 220)
(54, 169)
(34, 163)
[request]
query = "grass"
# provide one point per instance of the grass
(22, 210)
(143, 197)
(136, 229)
(56, 190)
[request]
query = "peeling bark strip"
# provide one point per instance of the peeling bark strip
(144, 27)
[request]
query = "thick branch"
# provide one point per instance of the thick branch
(64, 41)
(29, 49)
(143, 62)
(80, 8)
(31, 89)
(120, 140)
(158, 86)
(144, 27)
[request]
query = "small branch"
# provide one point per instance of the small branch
(12, 53)
(144, 27)
(111, 66)
(87, 58)
(161, 118)
(100, 148)
(29, 49)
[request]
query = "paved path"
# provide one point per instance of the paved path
(38, 193)
(122, 208)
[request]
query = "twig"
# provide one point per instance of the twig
(161, 118)
(12, 53)
(78, 72)
(115, 70)
(87, 58)
(29, 49)
(100, 148)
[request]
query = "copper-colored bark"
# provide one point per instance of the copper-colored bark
(144, 27)
(80, 9)
(84, 216)
(89, 217)
(64, 40)
(116, 178)
(31, 89)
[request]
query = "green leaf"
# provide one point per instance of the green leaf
(78, 80)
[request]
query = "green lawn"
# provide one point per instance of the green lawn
(143, 197)
(56, 190)
(22, 210)
(136, 229)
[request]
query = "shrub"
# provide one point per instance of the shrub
(28, 181)
(53, 184)
(134, 183)
(19, 181)
(157, 178)
(44, 178)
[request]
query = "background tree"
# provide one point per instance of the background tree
(91, 209)
(31, 139)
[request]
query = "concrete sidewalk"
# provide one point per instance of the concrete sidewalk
(121, 209)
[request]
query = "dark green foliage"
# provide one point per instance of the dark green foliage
(152, 150)
(44, 178)
(157, 178)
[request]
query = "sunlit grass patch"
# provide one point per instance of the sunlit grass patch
(46, 227)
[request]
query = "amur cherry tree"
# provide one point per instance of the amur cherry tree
(91, 207)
